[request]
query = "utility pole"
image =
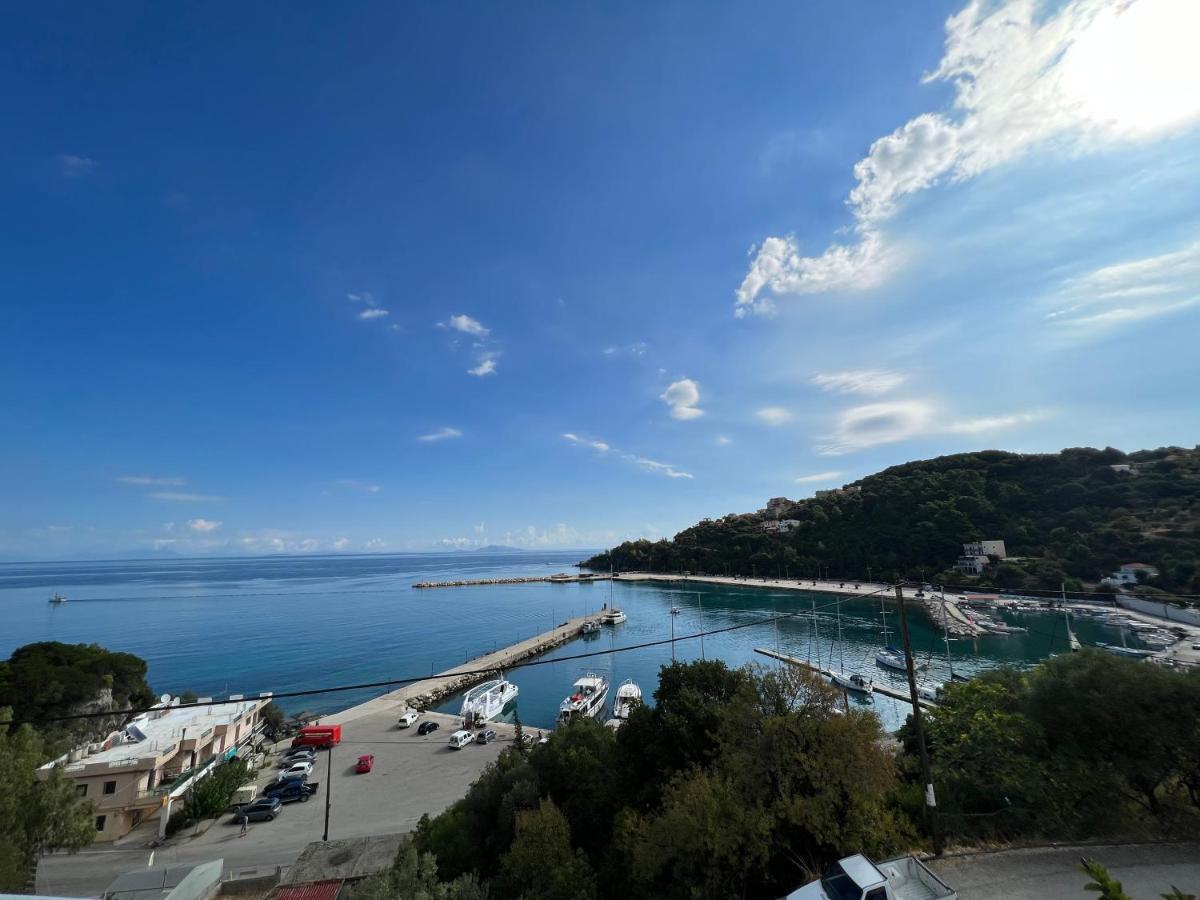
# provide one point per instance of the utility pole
(931, 810)
(329, 788)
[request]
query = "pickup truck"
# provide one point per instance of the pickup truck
(857, 878)
(290, 791)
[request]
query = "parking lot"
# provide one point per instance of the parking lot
(412, 775)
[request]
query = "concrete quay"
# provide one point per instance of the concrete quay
(532, 579)
(429, 691)
(943, 611)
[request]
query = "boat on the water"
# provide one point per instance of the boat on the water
(629, 697)
(590, 627)
(488, 701)
(613, 617)
(852, 681)
(891, 658)
(1125, 651)
(586, 699)
(57, 598)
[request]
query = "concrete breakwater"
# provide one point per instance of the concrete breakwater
(429, 692)
(553, 579)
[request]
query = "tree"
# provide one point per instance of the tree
(36, 814)
(541, 864)
(1102, 883)
(413, 876)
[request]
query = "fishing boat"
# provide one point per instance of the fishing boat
(57, 598)
(629, 697)
(586, 699)
(488, 701)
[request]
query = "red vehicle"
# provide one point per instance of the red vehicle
(324, 736)
(365, 763)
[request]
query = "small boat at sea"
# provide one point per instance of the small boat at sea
(674, 610)
(57, 598)
(891, 658)
(929, 692)
(586, 699)
(488, 701)
(1129, 652)
(590, 627)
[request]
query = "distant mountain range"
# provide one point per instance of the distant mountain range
(493, 548)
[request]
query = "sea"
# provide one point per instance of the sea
(289, 623)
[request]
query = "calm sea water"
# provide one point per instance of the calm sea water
(221, 626)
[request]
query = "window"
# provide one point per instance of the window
(81, 790)
(110, 787)
(877, 894)
(100, 822)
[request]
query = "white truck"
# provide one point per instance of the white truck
(857, 878)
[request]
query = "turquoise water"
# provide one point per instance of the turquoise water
(221, 626)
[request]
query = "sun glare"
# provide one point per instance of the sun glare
(1137, 70)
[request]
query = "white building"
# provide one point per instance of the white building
(972, 565)
(782, 526)
(1128, 573)
(1124, 469)
(140, 770)
(985, 548)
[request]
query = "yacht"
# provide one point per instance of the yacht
(487, 701)
(586, 699)
(57, 598)
(852, 682)
(613, 617)
(629, 696)
(891, 658)
(590, 627)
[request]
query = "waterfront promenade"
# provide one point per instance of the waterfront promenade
(943, 611)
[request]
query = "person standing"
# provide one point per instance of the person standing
(244, 820)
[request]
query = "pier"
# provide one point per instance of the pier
(553, 579)
(943, 610)
(884, 689)
(430, 691)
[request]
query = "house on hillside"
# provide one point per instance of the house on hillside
(1128, 574)
(978, 555)
(1124, 469)
(782, 526)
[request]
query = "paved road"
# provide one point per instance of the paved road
(412, 775)
(1146, 871)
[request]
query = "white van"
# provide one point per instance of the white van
(460, 739)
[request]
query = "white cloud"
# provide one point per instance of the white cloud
(341, 543)
(1091, 74)
(150, 480)
(559, 535)
(773, 415)
(203, 526)
(878, 423)
(486, 366)
(861, 381)
(353, 484)
(819, 477)
(176, 497)
(375, 544)
(480, 528)
(994, 423)
(73, 166)
(467, 325)
(682, 396)
(442, 434)
(1128, 292)
(658, 468)
(723, 441)
(374, 313)
(598, 446)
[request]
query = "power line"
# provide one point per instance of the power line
(391, 682)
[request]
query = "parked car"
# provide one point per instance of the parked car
(308, 757)
(287, 791)
(408, 718)
(460, 739)
(300, 768)
(264, 809)
(485, 737)
(365, 763)
(857, 878)
(427, 727)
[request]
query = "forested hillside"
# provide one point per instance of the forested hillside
(1066, 516)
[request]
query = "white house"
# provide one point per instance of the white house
(972, 565)
(1128, 573)
(985, 548)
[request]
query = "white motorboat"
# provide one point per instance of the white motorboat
(590, 627)
(852, 681)
(57, 598)
(488, 701)
(586, 699)
(1125, 651)
(613, 617)
(929, 692)
(629, 697)
(891, 658)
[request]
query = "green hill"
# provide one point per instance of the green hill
(1068, 516)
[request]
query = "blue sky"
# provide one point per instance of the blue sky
(553, 275)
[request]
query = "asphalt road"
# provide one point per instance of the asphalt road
(412, 775)
(1146, 871)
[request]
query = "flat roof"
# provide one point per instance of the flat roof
(156, 731)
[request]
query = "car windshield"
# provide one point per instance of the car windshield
(839, 886)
